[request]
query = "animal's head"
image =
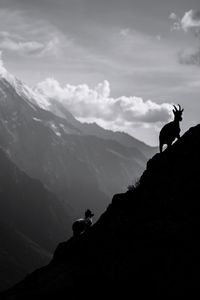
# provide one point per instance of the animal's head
(178, 113)
(88, 213)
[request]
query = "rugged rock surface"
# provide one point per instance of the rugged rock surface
(147, 243)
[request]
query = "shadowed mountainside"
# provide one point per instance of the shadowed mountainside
(147, 243)
(19, 255)
(29, 206)
(32, 222)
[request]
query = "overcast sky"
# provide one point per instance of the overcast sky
(119, 63)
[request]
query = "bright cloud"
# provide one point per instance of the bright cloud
(30, 47)
(36, 37)
(191, 20)
(176, 22)
(96, 105)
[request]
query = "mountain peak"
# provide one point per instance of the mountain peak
(23, 90)
(4, 74)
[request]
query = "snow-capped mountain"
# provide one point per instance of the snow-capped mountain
(81, 165)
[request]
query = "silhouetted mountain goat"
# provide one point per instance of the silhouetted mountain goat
(171, 130)
(81, 225)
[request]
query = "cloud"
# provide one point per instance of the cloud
(25, 35)
(30, 47)
(189, 57)
(190, 22)
(3, 72)
(20, 45)
(177, 22)
(96, 105)
(52, 47)
(125, 32)
(1, 62)
(173, 16)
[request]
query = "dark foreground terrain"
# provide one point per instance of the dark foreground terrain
(147, 243)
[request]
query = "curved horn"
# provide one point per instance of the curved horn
(175, 108)
(179, 106)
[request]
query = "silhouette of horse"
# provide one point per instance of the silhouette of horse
(81, 225)
(171, 130)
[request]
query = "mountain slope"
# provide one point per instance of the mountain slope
(92, 129)
(29, 207)
(146, 243)
(19, 255)
(32, 222)
(60, 153)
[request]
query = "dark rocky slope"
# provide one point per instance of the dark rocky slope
(145, 244)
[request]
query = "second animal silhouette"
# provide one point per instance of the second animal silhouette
(171, 130)
(81, 225)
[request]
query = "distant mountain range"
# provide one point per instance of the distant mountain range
(83, 164)
(52, 168)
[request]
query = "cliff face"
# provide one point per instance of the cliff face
(146, 243)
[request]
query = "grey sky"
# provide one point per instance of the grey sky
(132, 44)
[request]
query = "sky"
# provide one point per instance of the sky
(119, 63)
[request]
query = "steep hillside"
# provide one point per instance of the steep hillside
(29, 207)
(32, 222)
(19, 255)
(147, 243)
